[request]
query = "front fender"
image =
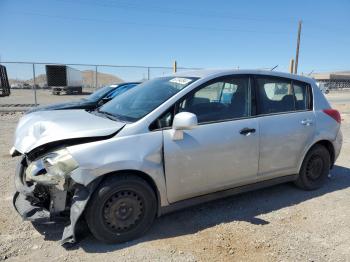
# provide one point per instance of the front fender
(142, 152)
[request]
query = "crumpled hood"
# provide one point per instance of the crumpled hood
(39, 128)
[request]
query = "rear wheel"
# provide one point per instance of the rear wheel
(122, 208)
(315, 168)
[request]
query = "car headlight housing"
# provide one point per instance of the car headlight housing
(59, 163)
(53, 168)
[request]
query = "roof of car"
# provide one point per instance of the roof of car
(221, 72)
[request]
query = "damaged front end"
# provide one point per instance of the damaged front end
(45, 189)
(45, 192)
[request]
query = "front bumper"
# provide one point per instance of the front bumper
(43, 204)
(28, 210)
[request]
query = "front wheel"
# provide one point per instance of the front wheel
(315, 168)
(122, 208)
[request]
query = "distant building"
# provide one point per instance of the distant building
(333, 80)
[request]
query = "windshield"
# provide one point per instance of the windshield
(144, 98)
(99, 93)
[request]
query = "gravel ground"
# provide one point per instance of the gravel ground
(26, 96)
(281, 223)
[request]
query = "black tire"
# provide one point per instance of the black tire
(315, 168)
(122, 208)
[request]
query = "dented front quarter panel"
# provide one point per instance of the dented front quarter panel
(139, 152)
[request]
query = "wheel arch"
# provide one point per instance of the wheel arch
(143, 176)
(327, 144)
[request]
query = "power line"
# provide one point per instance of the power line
(197, 13)
(122, 22)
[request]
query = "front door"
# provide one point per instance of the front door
(223, 150)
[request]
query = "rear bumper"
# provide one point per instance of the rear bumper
(337, 144)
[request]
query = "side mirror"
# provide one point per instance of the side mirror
(183, 121)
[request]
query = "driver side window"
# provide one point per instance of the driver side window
(219, 100)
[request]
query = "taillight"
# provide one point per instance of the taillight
(333, 114)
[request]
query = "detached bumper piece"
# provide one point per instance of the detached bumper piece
(46, 204)
(80, 199)
(28, 211)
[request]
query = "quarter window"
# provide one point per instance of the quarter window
(302, 95)
(220, 100)
(164, 121)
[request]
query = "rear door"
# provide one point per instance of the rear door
(220, 152)
(287, 124)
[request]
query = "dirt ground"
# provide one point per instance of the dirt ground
(281, 223)
(23, 98)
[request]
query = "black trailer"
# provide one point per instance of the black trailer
(4, 82)
(61, 78)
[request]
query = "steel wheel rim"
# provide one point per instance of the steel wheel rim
(314, 168)
(123, 211)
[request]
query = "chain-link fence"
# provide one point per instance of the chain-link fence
(30, 85)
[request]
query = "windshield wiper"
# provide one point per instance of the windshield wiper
(108, 115)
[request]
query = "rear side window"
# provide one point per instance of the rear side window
(278, 95)
(302, 96)
(275, 95)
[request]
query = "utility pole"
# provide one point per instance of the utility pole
(291, 66)
(297, 52)
(34, 86)
(95, 77)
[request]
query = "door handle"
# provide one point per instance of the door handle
(306, 122)
(247, 131)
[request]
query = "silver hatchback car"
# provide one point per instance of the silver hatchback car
(170, 143)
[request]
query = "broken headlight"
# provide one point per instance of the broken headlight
(59, 163)
(53, 168)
